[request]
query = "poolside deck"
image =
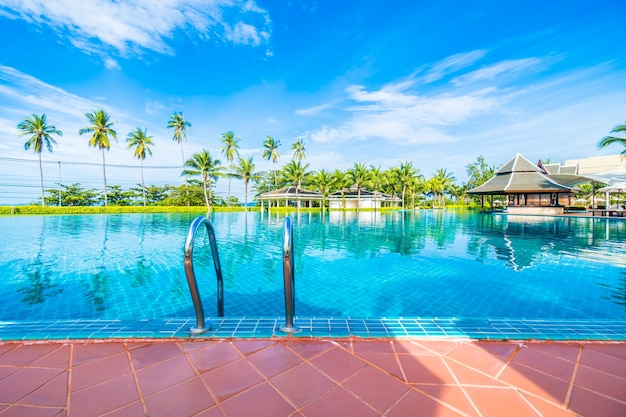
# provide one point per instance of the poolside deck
(305, 377)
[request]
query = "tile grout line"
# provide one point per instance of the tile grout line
(570, 388)
(218, 403)
(69, 380)
(509, 360)
(133, 371)
(456, 379)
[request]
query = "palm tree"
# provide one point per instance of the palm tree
(41, 135)
(341, 181)
(101, 127)
(440, 183)
(322, 182)
(141, 141)
(359, 175)
(230, 144)
(245, 171)
(376, 180)
(610, 140)
(296, 174)
(210, 169)
(405, 174)
(180, 126)
(271, 152)
(299, 152)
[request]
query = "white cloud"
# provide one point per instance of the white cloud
(311, 111)
(129, 26)
(112, 64)
(449, 65)
(511, 67)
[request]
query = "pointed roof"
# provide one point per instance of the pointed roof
(519, 175)
(290, 193)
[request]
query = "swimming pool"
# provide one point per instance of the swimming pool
(442, 263)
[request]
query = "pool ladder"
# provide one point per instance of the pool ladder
(288, 275)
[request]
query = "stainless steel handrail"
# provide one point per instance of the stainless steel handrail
(289, 278)
(191, 276)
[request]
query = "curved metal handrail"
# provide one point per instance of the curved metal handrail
(191, 276)
(289, 278)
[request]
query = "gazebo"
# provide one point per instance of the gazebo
(287, 194)
(528, 188)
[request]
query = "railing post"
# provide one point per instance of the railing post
(191, 276)
(288, 278)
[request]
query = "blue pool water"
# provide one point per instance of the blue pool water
(407, 264)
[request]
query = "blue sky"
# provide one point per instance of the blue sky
(379, 82)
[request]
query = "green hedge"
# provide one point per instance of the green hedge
(8, 210)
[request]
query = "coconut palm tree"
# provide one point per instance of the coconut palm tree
(440, 183)
(40, 135)
(245, 171)
(376, 180)
(299, 152)
(270, 151)
(322, 182)
(102, 128)
(230, 146)
(141, 142)
(359, 175)
(610, 140)
(296, 173)
(341, 181)
(210, 169)
(178, 123)
(405, 175)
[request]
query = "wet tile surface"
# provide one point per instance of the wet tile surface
(300, 377)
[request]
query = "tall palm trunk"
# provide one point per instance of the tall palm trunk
(182, 153)
(246, 194)
(206, 197)
(143, 187)
(104, 175)
(43, 203)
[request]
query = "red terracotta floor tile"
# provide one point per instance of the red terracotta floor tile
(439, 347)
(51, 394)
(378, 389)
(88, 352)
(338, 364)
(549, 409)
(603, 362)
(545, 362)
(30, 411)
(23, 382)
(215, 411)
(5, 347)
(600, 382)
(8, 370)
(338, 402)
(96, 371)
(412, 347)
(476, 357)
(308, 349)
(591, 404)
(274, 360)
(468, 376)
(382, 346)
(426, 370)
(153, 353)
(386, 361)
(59, 358)
(617, 350)
(132, 409)
(561, 350)
(164, 374)
(213, 356)
(231, 379)
(536, 382)
(492, 402)
(417, 404)
(451, 395)
(185, 399)
(102, 398)
(260, 401)
(302, 384)
(503, 350)
(247, 347)
(193, 345)
(27, 354)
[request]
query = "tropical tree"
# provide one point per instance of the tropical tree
(270, 152)
(405, 174)
(479, 172)
(201, 164)
(322, 182)
(610, 140)
(341, 181)
(295, 173)
(359, 175)
(178, 123)
(376, 180)
(299, 152)
(245, 171)
(230, 146)
(40, 133)
(101, 128)
(440, 183)
(141, 142)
